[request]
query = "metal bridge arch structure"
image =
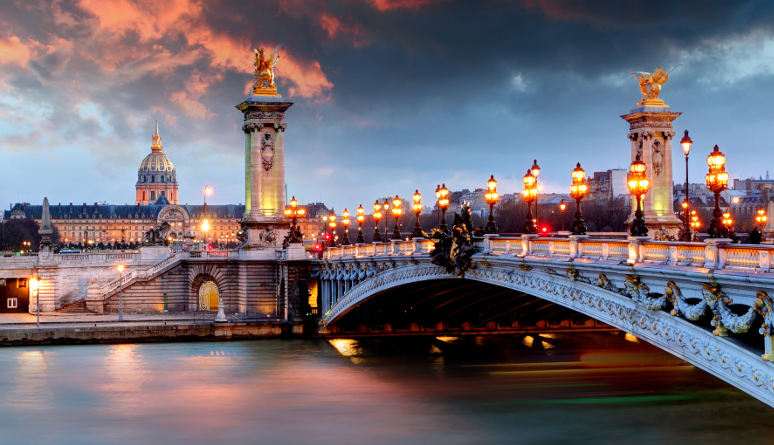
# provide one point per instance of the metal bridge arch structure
(657, 291)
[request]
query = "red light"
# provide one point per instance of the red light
(317, 247)
(327, 236)
(544, 229)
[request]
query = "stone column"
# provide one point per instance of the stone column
(264, 127)
(650, 133)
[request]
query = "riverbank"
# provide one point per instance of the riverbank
(57, 328)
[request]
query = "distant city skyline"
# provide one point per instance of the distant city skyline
(390, 95)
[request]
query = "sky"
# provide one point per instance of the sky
(389, 95)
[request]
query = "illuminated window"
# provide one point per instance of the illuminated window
(13, 303)
(21, 283)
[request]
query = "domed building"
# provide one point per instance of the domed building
(156, 178)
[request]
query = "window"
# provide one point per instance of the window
(13, 303)
(153, 195)
(21, 283)
(153, 178)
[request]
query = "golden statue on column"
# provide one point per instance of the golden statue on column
(264, 73)
(650, 86)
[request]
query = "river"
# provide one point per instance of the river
(579, 388)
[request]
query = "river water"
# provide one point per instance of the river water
(579, 388)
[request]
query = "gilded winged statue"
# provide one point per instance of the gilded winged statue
(650, 83)
(264, 69)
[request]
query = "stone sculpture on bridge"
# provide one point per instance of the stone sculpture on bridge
(156, 236)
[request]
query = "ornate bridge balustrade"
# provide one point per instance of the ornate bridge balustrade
(707, 303)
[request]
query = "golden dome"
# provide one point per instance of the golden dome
(156, 161)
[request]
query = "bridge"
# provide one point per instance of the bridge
(707, 303)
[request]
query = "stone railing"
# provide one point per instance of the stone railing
(213, 254)
(144, 274)
(711, 254)
(96, 258)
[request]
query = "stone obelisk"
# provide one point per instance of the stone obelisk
(650, 133)
(264, 127)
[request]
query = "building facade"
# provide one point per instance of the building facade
(156, 177)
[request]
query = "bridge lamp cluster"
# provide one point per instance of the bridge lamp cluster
(442, 197)
(578, 190)
(345, 223)
(416, 207)
(728, 221)
(293, 211)
(638, 184)
(529, 194)
(397, 211)
(360, 219)
(761, 217)
(717, 181)
(686, 143)
(377, 215)
(491, 198)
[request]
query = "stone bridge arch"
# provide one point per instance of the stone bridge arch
(697, 345)
(200, 273)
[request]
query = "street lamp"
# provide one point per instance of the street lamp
(377, 217)
(535, 169)
(562, 208)
(717, 181)
(332, 227)
(695, 223)
(442, 195)
(345, 223)
(638, 186)
(578, 191)
(491, 198)
(417, 209)
(756, 236)
(34, 292)
(293, 212)
(385, 209)
(529, 194)
(686, 142)
(761, 218)
(397, 211)
(360, 218)
(120, 269)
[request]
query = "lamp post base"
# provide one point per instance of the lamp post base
(221, 317)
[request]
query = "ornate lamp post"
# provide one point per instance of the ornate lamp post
(120, 269)
(686, 142)
(397, 211)
(638, 186)
(332, 226)
(345, 224)
(535, 169)
(417, 209)
(529, 194)
(491, 198)
(442, 194)
(756, 236)
(562, 208)
(377, 217)
(717, 181)
(360, 218)
(293, 212)
(578, 191)
(385, 209)
(695, 223)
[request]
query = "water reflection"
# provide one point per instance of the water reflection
(414, 391)
(30, 389)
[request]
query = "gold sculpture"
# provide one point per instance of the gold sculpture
(650, 86)
(264, 73)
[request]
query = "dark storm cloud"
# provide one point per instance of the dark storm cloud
(390, 95)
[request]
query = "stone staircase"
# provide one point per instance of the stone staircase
(78, 307)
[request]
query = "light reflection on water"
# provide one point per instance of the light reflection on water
(460, 391)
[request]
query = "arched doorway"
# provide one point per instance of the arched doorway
(208, 296)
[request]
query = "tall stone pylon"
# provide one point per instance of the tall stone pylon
(46, 229)
(264, 129)
(650, 134)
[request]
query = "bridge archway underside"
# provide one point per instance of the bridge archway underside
(673, 310)
(457, 307)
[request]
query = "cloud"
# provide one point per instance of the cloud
(189, 98)
(389, 5)
(13, 51)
